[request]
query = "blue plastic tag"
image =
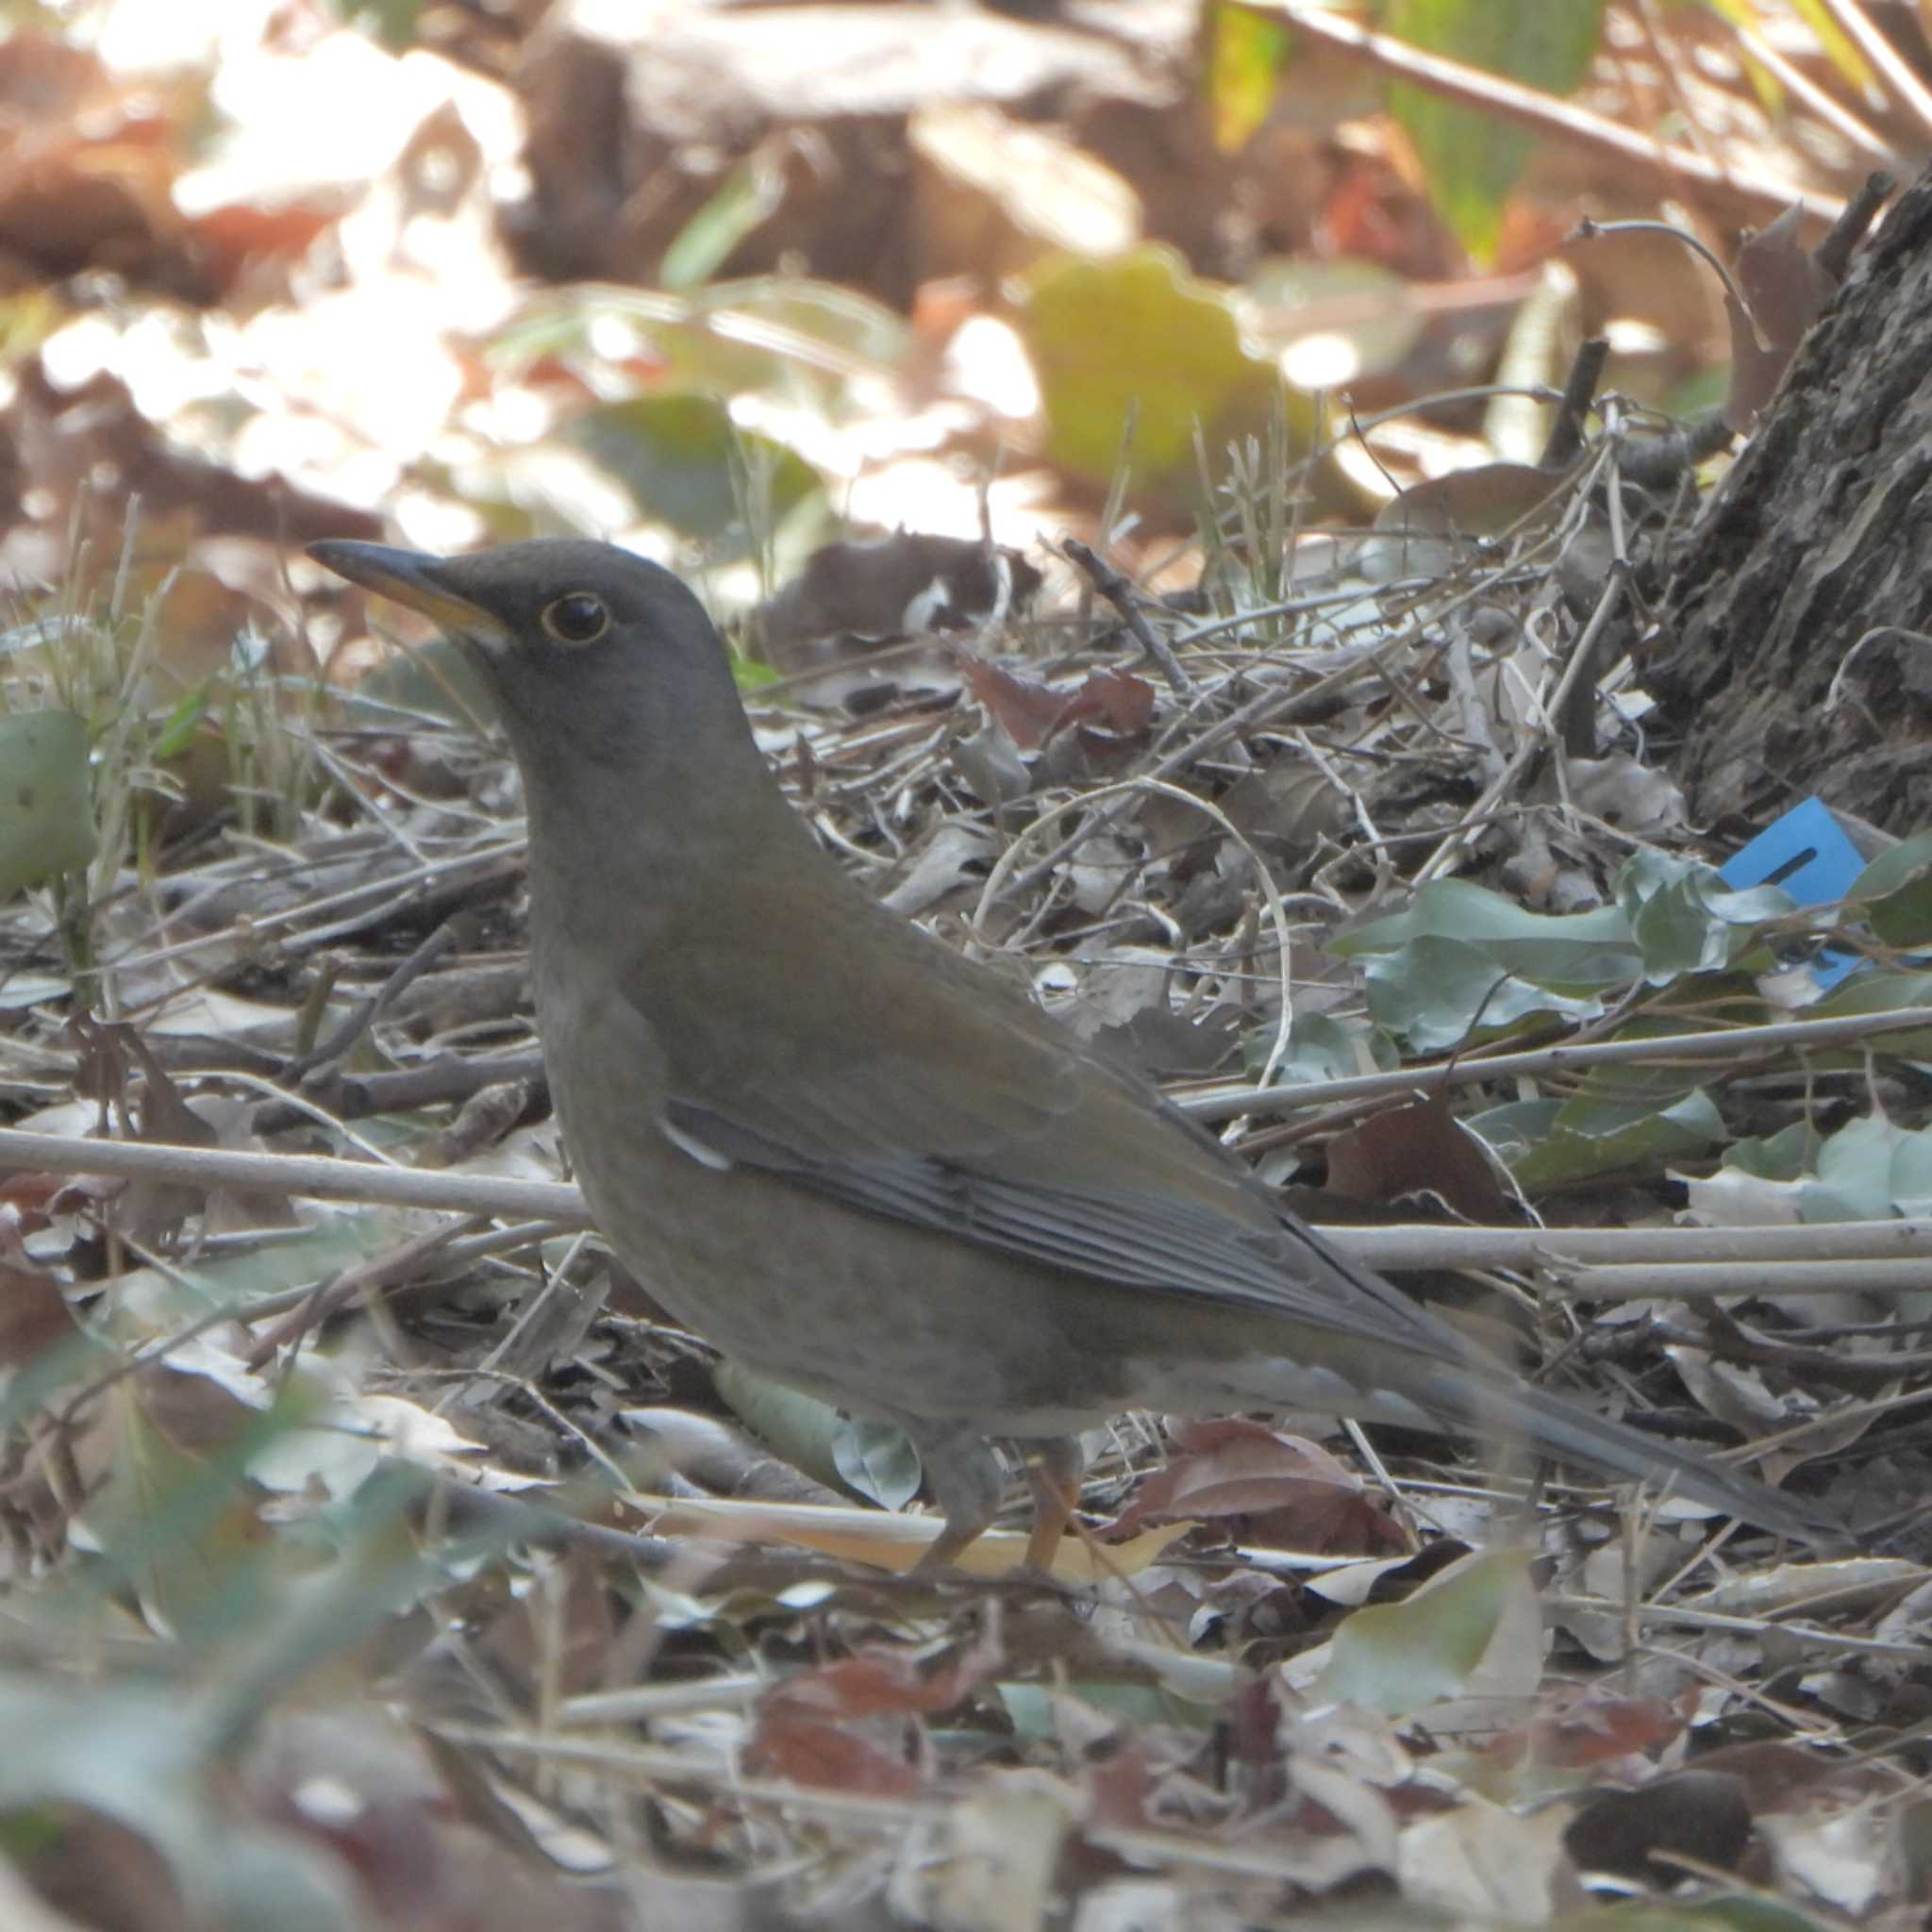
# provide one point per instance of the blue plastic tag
(1807, 853)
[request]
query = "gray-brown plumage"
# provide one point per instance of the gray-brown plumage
(860, 1163)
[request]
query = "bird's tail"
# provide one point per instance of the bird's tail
(1559, 1427)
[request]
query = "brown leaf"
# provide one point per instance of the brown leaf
(1033, 713)
(799, 1732)
(809, 1753)
(884, 1685)
(889, 587)
(1482, 500)
(1287, 1492)
(34, 1315)
(1595, 1731)
(1116, 699)
(1419, 1148)
(1787, 291)
(1027, 709)
(1697, 1814)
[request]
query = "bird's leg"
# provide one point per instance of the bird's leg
(1053, 1467)
(966, 1481)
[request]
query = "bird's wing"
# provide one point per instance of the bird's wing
(1167, 1241)
(958, 1106)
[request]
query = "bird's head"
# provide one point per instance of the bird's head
(615, 688)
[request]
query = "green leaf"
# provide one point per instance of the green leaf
(802, 1430)
(1435, 990)
(143, 1753)
(1244, 63)
(677, 455)
(1136, 338)
(750, 196)
(878, 1461)
(177, 728)
(1875, 992)
(1402, 1657)
(392, 23)
(1575, 952)
(47, 815)
(1549, 1143)
(1469, 159)
(1037, 1711)
(1881, 992)
(1687, 918)
(1321, 1047)
(749, 676)
(1898, 865)
(1460, 951)
(327, 1247)
(1788, 1155)
(1869, 1171)
(1895, 892)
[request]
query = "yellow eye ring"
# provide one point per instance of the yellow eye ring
(577, 618)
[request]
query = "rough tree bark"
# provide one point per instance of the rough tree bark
(1794, 648)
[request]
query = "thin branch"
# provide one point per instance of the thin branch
(1704, 1280)
(1761, 195)
(309, 1175)
(1118, 589)
(1388, 1248)
(1738, 1042)
(1892, 67)
(1820, 101)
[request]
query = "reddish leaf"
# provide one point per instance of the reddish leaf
(1026, 708)
(1120, 1788)
(882, 1686)
(1287, 1492)
(811, 1753)
(1777, 1776)
(1593, 1732)
(1418, 1148)
(1115, 699)
(34, 1315)
(1033, 713)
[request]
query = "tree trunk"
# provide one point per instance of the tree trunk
(1794, 653)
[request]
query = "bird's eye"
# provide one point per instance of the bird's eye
(577, 619)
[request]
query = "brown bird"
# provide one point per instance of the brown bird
(861, 1164)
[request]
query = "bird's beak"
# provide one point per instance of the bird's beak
(410, 578)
